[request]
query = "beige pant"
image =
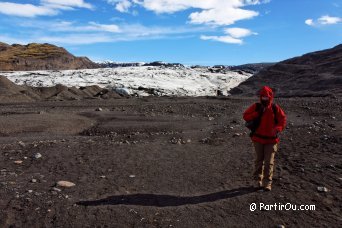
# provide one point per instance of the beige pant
(264, 161)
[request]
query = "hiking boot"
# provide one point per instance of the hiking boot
(268, 187)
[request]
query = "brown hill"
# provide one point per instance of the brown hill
(313, 74)
(40, 57)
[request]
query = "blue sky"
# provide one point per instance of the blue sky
(205, 32)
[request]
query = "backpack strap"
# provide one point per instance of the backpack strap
(274, 108)
(258, 108)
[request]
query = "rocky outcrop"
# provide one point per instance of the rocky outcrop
(40, 57)
(110, 64)
(252, 68)
(10, 92)
(313, 74)
(163, 64)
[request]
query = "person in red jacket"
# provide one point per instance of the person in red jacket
(265, 137)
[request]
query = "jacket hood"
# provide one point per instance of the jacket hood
(266, 91)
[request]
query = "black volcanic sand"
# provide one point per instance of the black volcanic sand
(164, 162)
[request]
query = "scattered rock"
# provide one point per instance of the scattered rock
(34, 181)
(65, 184)
(176, 141)
(211, 118)
(21, 143)
(37, 156)
(280, 226)
(133, 211)
(206, 140)
(188, 141)
(103, 177)
(322, 189)
(99, 109)
(236, 134)
(29, 191)
(56, 189)
(131, 176)
(18, 162)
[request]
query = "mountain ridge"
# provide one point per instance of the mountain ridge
(35, 56)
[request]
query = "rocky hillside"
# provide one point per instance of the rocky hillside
(12, 93)
(313, 74)
(40, 57)
(252, 67)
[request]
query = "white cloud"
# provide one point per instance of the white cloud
(92, 26)
(309, 22)
(239, 32)
(327, 20)
(205, 12)
(233, 35)
(47, 7)
(69, 26)
(67, 3)
(324, 20)
(136, 30)
(74, 33)
(213, 12)
(224, 39)
(102, 27)
(221, 16)
(25, 10)
(76, 39)
(122, 6)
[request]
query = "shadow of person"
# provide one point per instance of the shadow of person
(167, 200)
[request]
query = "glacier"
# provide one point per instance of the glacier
(138, 80)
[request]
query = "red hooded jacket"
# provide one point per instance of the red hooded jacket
(268, 129)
